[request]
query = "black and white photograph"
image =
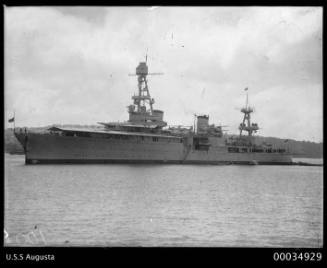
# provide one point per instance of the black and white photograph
(163, 126)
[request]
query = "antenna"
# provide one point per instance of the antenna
(247, 100)
(247, 97)
(146, 56)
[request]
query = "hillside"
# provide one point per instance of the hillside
(305, 149)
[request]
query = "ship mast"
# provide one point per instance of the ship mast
(246, 124)
(143, 96)
(138, 111)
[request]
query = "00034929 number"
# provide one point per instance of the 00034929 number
(297, 256)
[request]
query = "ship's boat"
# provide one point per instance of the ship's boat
(146, 138)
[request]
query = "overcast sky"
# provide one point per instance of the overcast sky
(70, 65)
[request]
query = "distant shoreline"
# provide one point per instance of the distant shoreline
(295, 157)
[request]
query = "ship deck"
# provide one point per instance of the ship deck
(112, 132)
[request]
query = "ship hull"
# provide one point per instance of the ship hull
(48, 148)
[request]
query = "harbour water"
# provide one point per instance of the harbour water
(162, 205)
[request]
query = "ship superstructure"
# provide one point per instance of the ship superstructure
(142, 116)
(146, 138)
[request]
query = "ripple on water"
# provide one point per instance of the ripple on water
(164, 205)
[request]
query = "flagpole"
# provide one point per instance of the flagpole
(14, 120)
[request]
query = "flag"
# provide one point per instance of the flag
(246, 89)
(11, 120)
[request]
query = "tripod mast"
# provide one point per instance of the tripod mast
(246, 123)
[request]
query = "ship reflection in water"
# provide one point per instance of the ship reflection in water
(163, 205)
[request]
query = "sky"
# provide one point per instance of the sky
(70, 65)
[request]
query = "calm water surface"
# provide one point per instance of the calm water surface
(162, 205)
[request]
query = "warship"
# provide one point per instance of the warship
(146, 138)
